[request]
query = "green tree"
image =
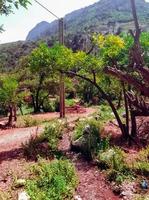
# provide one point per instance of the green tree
(37, 75)
(6, 7)
(10, 96)
(90, 68)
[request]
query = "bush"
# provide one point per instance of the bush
(44, 145)
(141, 165)
(114, 162)
(55, 181)
(27, 121)
(114, 158)
(94, 127)
(49, 106)
(70, 102)
(53, 133)
(35, 147)
(86, 138)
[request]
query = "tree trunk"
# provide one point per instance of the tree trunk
(15, 113)
(37, 104)
(126, 109)
(119, 101)
(10, 118)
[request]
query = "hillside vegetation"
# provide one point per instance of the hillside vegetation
(103, 16)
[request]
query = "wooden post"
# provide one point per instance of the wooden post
(62, 86)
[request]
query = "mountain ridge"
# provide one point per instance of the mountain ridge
(99, 17)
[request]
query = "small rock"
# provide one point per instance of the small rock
(20, 183)
(128, 190)
(77, 197)
(23, 196)
(144, 184)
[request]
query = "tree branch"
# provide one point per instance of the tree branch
(128, 79)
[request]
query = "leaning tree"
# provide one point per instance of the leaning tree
(136, 76)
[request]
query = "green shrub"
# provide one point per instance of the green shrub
(114, 158)
(142, 168)
(44, 145)
(27, 121)
(141, 165)
(49, 106)
(114, 162)
(52, 134)
(36, 147)
(104, 144)
(52, 181)
(119, 176)
(70, 102)
(86, 138)
(94, 126)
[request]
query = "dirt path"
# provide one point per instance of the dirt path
(92, 184)
(13, 138)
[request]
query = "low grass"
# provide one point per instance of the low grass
(141, 164)
(27, 121)
(70, 102)
(113, 161)
(56, 180)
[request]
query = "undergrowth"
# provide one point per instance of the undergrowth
(94, 128)
(27, 121)
(141, 164)
(113, 161)
(45, 144)
(56, 180)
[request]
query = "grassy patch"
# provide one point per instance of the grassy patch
(25, 110)
(141, 164)
(27, 121)
(55, 181)
(70, 102)
(113, 161)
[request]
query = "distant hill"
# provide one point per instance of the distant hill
(10, 53)
(103, 16)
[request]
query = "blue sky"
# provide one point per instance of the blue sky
(19, 24)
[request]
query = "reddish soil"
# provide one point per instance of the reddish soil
(12, 162)
(92, 183)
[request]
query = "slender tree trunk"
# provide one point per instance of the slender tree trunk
(126, 109)
(133, 123)
(10, 118)
(38, 92)
(15, 113)
(119, 101)
(34, 104)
